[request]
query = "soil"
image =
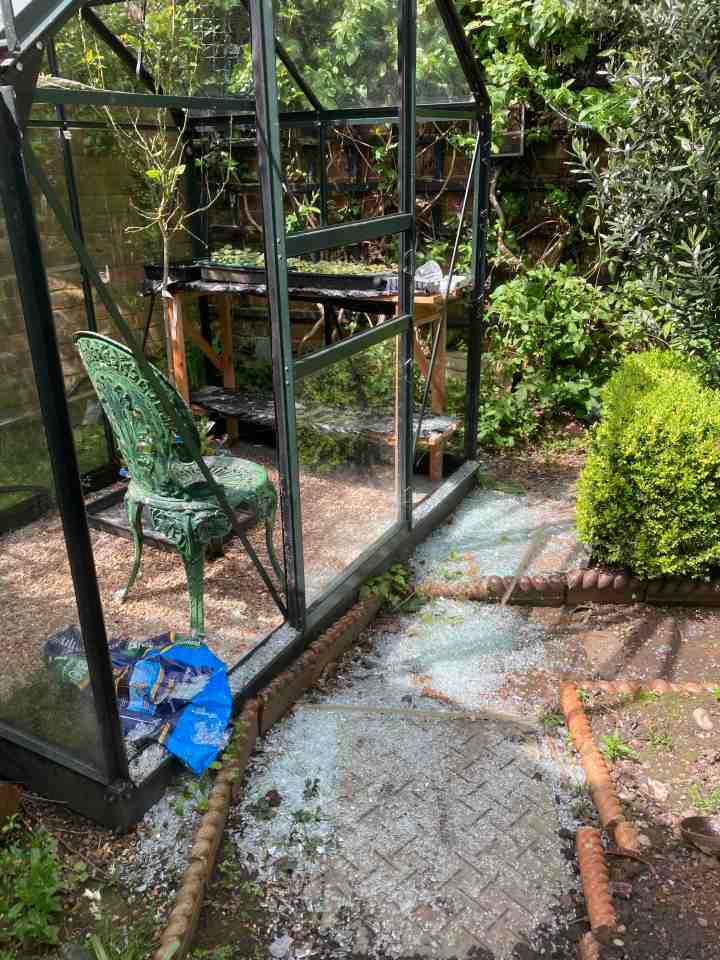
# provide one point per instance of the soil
(89, 856)
(673, 908)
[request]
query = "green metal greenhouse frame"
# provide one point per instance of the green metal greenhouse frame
(106, 791)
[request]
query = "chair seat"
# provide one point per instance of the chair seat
(246, 484)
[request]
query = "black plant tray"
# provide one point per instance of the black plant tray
(298, 280)
(184, 271)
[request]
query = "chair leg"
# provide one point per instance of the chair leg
(134, 510)
(269, 527)
(194, 559)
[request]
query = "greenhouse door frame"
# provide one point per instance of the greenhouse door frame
(279, 246)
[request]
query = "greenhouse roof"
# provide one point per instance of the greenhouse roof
(332, 57)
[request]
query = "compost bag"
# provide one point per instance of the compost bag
(169, 689)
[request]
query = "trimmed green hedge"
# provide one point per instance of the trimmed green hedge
(649, 495)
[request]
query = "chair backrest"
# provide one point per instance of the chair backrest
(146, 437)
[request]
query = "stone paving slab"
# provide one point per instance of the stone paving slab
(439, 837)
(417, 809)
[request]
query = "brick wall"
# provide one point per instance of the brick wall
(104, 189)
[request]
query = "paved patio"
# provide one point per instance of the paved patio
(408, 810)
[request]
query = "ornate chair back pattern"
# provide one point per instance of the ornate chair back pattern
(165, 481)
(144, 434)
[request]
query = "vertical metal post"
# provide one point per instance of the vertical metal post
(37, 309)
(76, 217)
(268, 140)
(407, 38)
(439, 163)
(476, 307)
(323, 171)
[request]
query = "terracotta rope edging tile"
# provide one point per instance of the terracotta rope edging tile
(601, 786)
(589, 948)
(177, 936)
(583, 585)
(596, 883)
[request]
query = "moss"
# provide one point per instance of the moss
(649, 496)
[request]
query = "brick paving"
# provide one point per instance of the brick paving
(452, 846)
(432, 826)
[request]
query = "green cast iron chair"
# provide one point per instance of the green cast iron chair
(163, 476)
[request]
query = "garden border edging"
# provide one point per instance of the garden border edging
(592, 585)
(590, 854)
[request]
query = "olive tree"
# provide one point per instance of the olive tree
(657, 191)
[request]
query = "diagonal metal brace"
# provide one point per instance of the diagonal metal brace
(35, 168)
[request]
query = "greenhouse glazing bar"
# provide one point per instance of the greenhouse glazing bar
(406, 182)
(269, 153)
(476, 311)
(40, 324)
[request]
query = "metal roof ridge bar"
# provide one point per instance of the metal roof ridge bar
(92, 125)
(474, 74)
(346, 234)
(462, 110)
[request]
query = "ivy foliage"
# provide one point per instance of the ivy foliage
(546, 53)
(656, 191)
(649, 495)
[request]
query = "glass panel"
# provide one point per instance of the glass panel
(239, 610)
(362, 165)
(439, 450)
(439, 76)
(347, 445)
(347, 52)
(44, 687)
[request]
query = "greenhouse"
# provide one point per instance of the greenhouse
(232, 387)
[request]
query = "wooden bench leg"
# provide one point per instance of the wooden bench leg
(436, 462)
(228, 358)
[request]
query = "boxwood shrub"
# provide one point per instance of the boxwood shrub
(649, 495)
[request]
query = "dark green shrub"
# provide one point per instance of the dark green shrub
(553, 340)
(649, 496)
